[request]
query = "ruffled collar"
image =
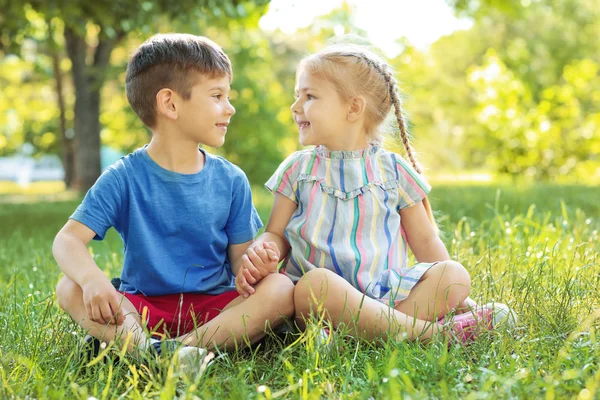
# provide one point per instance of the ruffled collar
(346, 154)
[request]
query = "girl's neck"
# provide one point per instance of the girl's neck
(349, 141)
(176, 155)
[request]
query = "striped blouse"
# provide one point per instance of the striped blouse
(347, 219)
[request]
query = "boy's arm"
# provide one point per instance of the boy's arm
(71, 253)
(235, 253)
(421, 235)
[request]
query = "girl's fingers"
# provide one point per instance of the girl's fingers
(272, 255)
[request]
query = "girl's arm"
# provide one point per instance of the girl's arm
(268, 249)
(283, 209)
(421, 235)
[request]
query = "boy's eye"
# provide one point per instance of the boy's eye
(310, 96)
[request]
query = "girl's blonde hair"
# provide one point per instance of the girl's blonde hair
(355, 71)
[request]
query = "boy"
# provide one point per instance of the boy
(185, 216)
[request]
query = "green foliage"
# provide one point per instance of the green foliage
(517, 94)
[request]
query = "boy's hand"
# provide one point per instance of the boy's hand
(241, 283)
(102, 302)
(260, 260)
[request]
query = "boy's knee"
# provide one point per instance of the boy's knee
(67, 292)
(280, 290)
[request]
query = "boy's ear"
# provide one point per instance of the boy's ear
(357, 108)
(166, 103)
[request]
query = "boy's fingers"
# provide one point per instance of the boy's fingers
(90, 313)
(247, 264)
(245, 285)
(118, 317)
(238, 287)
(262, 253)
(249, 277)
(254, 257)
(96, 315)
(106, 313)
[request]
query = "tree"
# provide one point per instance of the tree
(90, 32)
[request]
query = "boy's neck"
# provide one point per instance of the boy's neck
(176, 155)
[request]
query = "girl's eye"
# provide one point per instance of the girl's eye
(310, 96)
(218, 96)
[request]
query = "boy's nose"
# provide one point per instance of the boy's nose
(231, 109)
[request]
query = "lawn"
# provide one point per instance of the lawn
(536, 248)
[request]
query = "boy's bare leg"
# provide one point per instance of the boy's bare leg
(70, 299)
(245, 320)
(342, 303)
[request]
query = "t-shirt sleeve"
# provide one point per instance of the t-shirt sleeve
(284, 180)
(101, 206)
(243, 222)
(413, 186)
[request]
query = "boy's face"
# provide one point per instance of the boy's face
(318, 111)
(205, 116)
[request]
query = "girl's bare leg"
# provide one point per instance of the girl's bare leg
(443, 288)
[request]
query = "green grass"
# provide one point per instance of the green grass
(536, 248)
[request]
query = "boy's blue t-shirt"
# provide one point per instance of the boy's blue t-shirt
(175, 227)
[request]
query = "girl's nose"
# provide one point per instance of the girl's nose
(294, 107)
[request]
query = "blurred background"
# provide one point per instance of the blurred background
(494, 91)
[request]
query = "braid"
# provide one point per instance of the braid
(395, 100)
(392, 86)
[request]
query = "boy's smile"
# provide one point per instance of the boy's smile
(206, 115)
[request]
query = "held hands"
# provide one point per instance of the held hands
(260, 260)
(102, 302)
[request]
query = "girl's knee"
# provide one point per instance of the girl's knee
(455, 277)
(67, 292)
(312, 289)
(314, 279)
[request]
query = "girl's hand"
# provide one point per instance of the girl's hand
(260, 260)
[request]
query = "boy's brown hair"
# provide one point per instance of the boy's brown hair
(174, 61)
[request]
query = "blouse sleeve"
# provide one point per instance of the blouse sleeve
(284, 180)
(412, 185)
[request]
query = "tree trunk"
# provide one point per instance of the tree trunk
(68, 155)
(88, 80)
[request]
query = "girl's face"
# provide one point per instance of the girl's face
(319, 112)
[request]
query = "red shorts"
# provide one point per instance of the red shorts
(177, 314)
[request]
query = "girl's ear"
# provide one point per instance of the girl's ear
(166, 103)
(357, 108)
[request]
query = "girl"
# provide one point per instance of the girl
(345, 212)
